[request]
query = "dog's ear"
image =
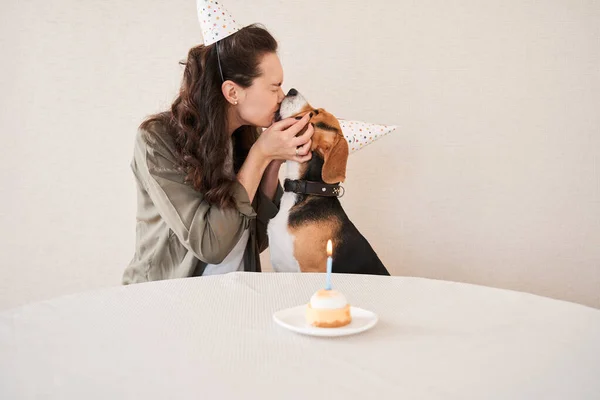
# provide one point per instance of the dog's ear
(335, 160)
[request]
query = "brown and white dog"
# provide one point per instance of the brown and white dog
(310, 212)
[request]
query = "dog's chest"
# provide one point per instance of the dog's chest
(281, 241)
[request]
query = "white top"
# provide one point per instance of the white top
(328, 299)
(234, 260)
(214, 338)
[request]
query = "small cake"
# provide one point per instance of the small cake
(328, 309)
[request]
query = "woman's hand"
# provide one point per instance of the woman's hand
(279, 141)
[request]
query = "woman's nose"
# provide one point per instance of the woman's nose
(281, 95)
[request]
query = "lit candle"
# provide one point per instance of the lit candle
(329, 264)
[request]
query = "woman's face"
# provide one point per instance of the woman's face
(259, 102)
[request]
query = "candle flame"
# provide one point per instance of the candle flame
(329, 248)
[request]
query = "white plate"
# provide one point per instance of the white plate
(294, 319)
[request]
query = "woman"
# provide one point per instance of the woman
(207, 178)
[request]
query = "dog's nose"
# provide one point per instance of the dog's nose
(292, 92)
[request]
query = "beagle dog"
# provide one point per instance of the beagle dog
(310, 213)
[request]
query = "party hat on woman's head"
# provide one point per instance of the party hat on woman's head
(360, 134)
(216, 22)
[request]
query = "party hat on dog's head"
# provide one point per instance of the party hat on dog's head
(216, 22)
(360, 134)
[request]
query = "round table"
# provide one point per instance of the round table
(215, 338)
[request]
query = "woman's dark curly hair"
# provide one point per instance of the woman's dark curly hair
(197, 119)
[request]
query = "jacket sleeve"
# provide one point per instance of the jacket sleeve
(208, 231)
(265, 210)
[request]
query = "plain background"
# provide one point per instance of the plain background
(492, 176)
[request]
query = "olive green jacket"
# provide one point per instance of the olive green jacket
(177, 231)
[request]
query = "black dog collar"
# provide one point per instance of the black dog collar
(313, 188)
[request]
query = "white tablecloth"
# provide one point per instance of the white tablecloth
(214, 338)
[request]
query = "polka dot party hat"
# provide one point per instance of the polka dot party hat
(360, 134)
(216, 22)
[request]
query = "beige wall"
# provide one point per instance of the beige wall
(492, 176)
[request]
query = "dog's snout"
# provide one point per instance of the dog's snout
(293, 104)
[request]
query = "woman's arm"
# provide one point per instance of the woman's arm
(270, 179)
(277, 143)
(251, 172)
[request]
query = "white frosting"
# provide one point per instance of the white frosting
(328, 299)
